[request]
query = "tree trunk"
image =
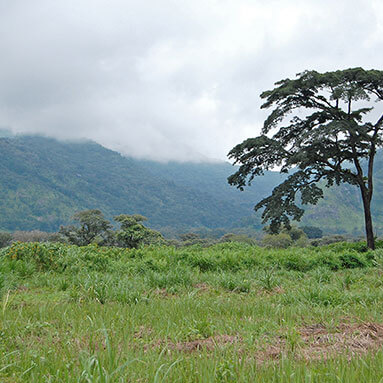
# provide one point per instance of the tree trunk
(368, 222)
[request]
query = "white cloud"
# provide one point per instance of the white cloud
(168, 79)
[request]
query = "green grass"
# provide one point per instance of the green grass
(91, 314)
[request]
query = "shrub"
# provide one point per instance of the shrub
(204, 262)
(329, 260)
(312, 232)
(297, 262)
(43, 255)
(231, 237)
(352, 260)
(329, 240)
(281, 241)
(5, 239)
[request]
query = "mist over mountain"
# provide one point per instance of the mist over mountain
(44, 181)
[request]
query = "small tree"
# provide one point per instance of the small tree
(5, 239)
(312, 232)
(133, 233)
(92, 227)
(293, 231)
(328, 139)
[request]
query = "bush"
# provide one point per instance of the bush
(353, 260)
(312, 232)
(329, 239)
(231, 237)
(280, 241)
(5, 239)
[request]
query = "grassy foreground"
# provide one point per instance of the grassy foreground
(228, 313)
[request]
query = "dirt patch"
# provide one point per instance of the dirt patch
(352, 339)
(313, 342)
(317, 342)
(163, 293)
(142, 332)
(208, 344)
(22, 289)
(274, 291)
(202, 288)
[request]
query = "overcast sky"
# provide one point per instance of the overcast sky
(168, 79)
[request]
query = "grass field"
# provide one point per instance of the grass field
(228, 313)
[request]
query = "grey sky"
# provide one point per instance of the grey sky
(168, 79)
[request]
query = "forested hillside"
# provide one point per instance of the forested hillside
(44, 181)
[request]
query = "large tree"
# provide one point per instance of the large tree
(91, 226)
(331, 137)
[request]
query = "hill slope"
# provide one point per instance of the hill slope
(43, 182)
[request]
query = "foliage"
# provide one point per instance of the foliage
(133, 233)
(157, 313)
(44, 182)
(293, 231)
(279, 241)
(326, 140)
(192, 238)
(288, 236)
(5, 239)
(231, 237)
(328, 239)
(312, 232)
(92, 228)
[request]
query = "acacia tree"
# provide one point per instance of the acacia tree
(332, 137)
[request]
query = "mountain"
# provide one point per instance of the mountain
(44, 181)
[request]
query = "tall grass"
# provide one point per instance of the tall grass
(93, 314)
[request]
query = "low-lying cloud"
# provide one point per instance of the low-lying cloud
(170, 79)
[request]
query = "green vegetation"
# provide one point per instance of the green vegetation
(328, 140)
(44, 182)
(133, 233)
(92, 228)
(226, 313)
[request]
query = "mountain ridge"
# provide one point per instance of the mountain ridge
(44, 181)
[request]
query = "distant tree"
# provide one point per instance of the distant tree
(133, 233)
(189, 237)
(312, 232)
(329, 239)
(328, 139)
(281, 241)
(35, 236)
(5, 239)
(293, 231)
(232, 237)
(92, 227)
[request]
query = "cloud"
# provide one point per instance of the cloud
(169, 80)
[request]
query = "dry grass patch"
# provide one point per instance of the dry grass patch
(317, 342)
(352, 339)
(207, 344)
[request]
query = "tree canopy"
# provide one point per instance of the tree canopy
(91, 227)
(331, 138)
(133, 233)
